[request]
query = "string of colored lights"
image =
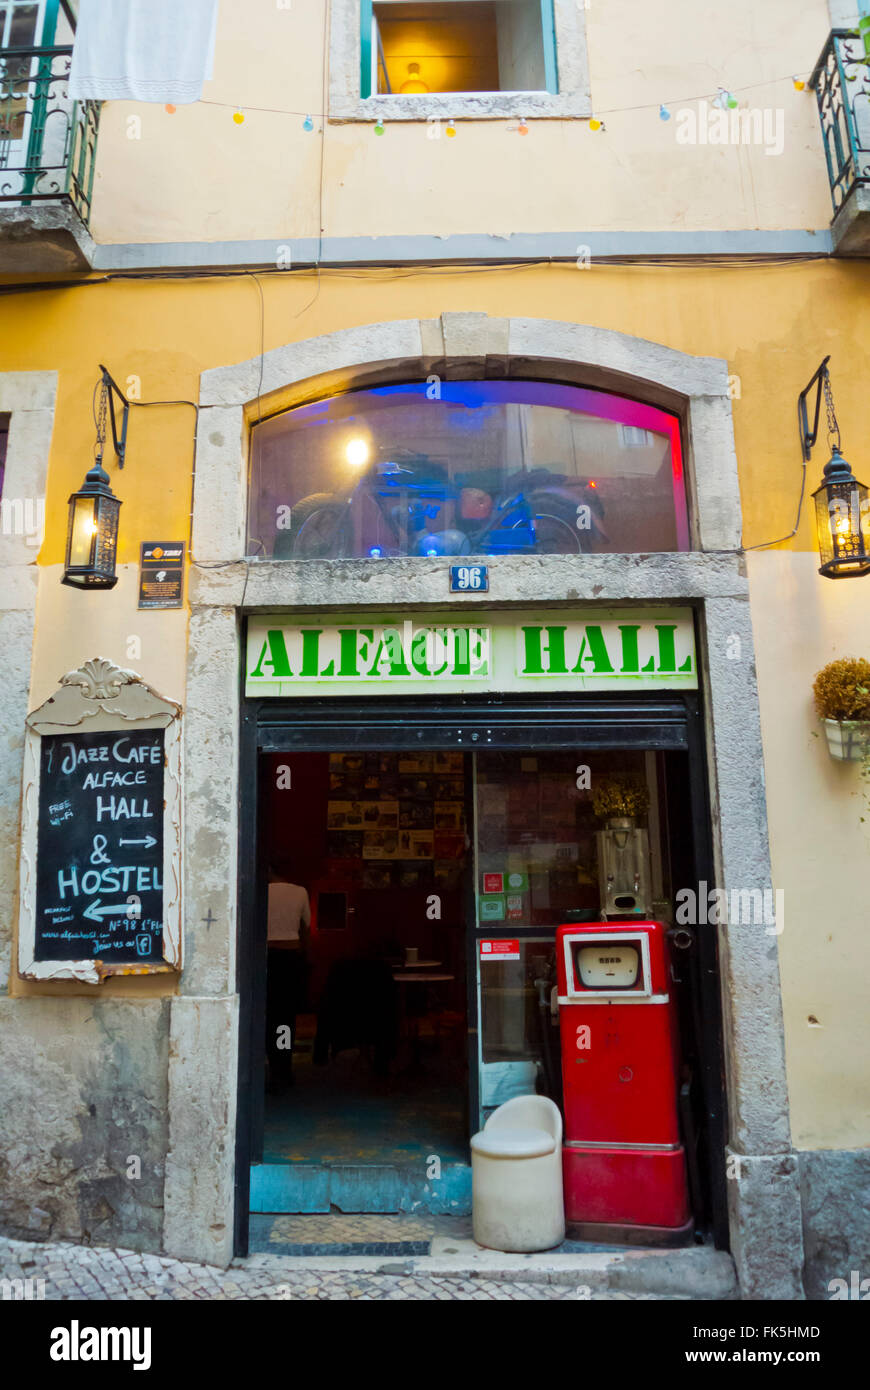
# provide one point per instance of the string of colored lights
(724, 98)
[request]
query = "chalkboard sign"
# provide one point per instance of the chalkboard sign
(99, 878)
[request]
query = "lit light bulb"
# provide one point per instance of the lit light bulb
(308, 124)
(357, 453)
(376, 552)
(596, 124)
(450, 131)
(169, 109)
(664, 113)
(414, 82)
(799, 84)
(379, 126)
(239, 117)
(522, 128)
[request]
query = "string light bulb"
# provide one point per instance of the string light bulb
(308, 124)
(379, 126)
(596, 124)
(522, 128)
(239, 117)
(450, 131)
(169, 109)
(799, 84)
(664, 113)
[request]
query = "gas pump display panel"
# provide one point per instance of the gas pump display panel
(607, 967)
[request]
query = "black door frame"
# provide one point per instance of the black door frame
(655, 722)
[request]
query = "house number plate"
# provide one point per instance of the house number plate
(465, 579)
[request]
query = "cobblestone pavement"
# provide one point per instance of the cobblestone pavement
(77, 1272)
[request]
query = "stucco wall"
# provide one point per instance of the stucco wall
(766, 328)
(197, 176)
(83, 1094)
(819, 847)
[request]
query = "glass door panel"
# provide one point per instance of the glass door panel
(535, 867)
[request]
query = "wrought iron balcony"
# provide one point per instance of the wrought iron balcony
(47, 157)
(841, 82)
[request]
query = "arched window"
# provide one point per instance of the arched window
(467, 468)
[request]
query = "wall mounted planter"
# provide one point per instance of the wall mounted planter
(848, 739)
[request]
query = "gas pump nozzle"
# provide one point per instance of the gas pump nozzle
(544, 988)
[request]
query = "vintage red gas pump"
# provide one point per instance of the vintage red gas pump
(624, 1164)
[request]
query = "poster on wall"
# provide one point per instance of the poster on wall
(161, 574)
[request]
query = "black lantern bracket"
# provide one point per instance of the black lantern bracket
(111, 389)
(809, 436)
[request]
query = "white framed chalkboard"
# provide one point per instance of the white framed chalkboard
(100, 883)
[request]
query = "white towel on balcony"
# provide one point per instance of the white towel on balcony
(143, 50)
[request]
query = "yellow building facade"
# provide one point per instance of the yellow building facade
(635, 238)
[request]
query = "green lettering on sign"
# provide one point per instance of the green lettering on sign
(348, 649)
(667, 650)
(555, 649)
(389, 649)
(630, 654)
(310, 652)
(278, 659)
(597, 654)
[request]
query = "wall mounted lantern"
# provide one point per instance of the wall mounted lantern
(92, 529)
(842, 507)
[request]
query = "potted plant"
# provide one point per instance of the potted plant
(841, 691)
(618, 800)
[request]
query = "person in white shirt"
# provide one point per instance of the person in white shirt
(287, 935)
(289, 914)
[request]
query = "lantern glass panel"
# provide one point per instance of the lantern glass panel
(107, 534)
(83, 529)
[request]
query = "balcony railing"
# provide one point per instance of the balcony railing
(841, 82)
(47, 142)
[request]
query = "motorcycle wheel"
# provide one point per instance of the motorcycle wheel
(556, 536)
(317, 528)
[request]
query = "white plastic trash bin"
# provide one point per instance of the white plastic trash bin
(516, 1177)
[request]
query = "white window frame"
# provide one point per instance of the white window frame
(346, 104)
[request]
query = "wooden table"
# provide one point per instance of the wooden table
(412, 977)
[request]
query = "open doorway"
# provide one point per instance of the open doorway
(434, 881)
(366, 1031)
(412, 905)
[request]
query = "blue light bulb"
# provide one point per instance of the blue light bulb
(664, 113)
(308, 124)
